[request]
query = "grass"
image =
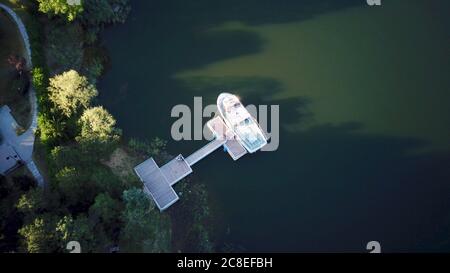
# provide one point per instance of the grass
(20, 105)
(12, 44)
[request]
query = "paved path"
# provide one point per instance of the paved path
(25, 142)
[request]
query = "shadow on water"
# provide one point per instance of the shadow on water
(327, 188)
(162, 38)
(330, 188)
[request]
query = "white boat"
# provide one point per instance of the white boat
(238, 119)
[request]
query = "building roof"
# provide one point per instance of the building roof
(9, 159)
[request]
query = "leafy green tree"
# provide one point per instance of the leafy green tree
(71, 92)
(65, 50)
(145, 229)
(69, 184)
(78, 229)
(104, 215)
(52, 129)
(150, 148)
(106, 181)
(39, 236)
(10, 219)
(100, 12)
(38, 78)
(68, 8)
(62, 156)
(32, 202)
(98, 135)
(193, 213)
(80, 175)
(73, 155)
(38, 201)
(105, 210)
(93, 69)
(78, 192)
(97, 125)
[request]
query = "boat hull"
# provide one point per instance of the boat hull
(238, 119)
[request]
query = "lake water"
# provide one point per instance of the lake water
(363, 91)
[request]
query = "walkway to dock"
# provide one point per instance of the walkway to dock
(158, 181)
(205, 151)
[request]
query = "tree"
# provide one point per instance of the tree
(104, 215)
(31, 202)
(10, 220)
(77, 190)
(71, 92)
(100, 12)
(39, 236)
(145, 229)
(69, 8)
(97, 126)
(78, 229)
(150, 148)
(193, 213)
(73, 155)
(106, 181)
(105, 210)
(65, 47)
(52, 129)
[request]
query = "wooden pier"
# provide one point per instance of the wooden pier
(156, 184)
(205, 151)
(158, 181)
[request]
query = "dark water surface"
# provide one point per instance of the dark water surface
(364, 114)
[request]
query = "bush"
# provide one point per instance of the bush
(65, 47)
(148, 148)
(68, 9)
(102, 12)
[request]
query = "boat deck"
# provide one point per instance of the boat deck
(235, 149)
(232, 145)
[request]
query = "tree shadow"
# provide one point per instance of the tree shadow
(332, 188)
(163, 38)
(328, 187)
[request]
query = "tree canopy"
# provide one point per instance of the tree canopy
(99, 12)
(86, 199)
(71, 92)
(68, 8)
(78, 229)
(97, 125)
(105, 210)
(145, 229)
(40, 235)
